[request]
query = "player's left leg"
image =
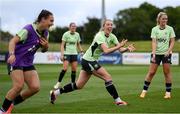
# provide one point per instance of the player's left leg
(82, 80)
(168, 80)
(32, 80)
(166, 61)
(62, 73)
(74, 65)
(103, 74)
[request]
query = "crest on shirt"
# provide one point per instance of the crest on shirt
(96, 65)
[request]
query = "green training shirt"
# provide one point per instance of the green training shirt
(162, 37)
(71, 41)
(94, 51)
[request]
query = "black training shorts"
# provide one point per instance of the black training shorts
(70, 58)
(90, 66)
(159, 58)
(23, 68)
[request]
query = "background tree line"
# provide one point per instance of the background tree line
(131, 23)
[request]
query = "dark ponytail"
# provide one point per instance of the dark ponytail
(43, 14)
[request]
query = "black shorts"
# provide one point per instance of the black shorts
(90, 66)
(27, 68)
(70, 58)
(159, 58)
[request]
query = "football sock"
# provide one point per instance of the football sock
(1, 110)
(146, 85)
(73, 76)
(6, 104)
(61, 75)
(18, 100)
(111, 89)
(67, 88)
(168, 87)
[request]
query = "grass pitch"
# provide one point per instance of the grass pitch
(94, 98)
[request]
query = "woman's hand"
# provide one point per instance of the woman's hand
(131, 48)
(11, 59)
(123, 42)
(153, 59)
(44, 43)
(62, 58)
(167, 54)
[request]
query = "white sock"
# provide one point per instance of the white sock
(168, 93)
(59, 83)
(1, 111)
(57, 92)
(118, 99)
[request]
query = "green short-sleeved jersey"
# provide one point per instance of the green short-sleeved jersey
(94, 51)
(71, 41)
(22, 34)
(162, 37)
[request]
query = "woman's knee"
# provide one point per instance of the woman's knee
(65, 66)
(35, 88)
(74, 69)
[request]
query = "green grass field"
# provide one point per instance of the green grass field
(94, 97)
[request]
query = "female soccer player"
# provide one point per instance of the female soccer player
(163, 38)
(22, 48)
(101, 43)
(70, 42)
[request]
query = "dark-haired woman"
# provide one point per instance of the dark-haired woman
(22, 48)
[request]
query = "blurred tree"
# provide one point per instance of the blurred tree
(5, 36)
(174, 18)
(56, 34)
(136, 23)
(151, 10)
(90, 29)
(80, 31)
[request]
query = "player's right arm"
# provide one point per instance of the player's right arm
(154, 43)
(62, 50)
(154, 46)
(12, 45)
(20, 36)
(153, 49)
(63, 42)
(107, 50)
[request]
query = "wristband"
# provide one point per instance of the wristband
(127, 49)
(11, 53)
